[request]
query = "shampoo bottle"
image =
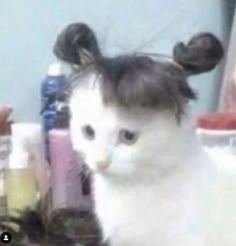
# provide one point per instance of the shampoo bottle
(51, 89)
(20, 183)
(65, 172)
(69, 183)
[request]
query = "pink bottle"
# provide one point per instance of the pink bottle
(65, 173)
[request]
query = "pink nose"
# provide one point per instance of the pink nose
(101, 166)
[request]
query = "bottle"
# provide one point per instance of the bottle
(52, 87)
(30, 137)
(70, 181)
(20, 183)
(65, 171)
(62, 113)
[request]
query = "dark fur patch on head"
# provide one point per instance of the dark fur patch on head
(73, 41)
(201, 54)
(139, 80)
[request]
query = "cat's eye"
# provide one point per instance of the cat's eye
(128, 137)
(88, 132)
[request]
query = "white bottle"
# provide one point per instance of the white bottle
(30, 137)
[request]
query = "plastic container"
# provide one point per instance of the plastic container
(51, 90)
(216, 129)
(20, 183)
(65, 171)
(53, 85)
(29, 136)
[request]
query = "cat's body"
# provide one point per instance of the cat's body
(164, 211)
(165, 208)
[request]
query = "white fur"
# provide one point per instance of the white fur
(150, 193)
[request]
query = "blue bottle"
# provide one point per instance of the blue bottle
(52, 88)
(53, 85)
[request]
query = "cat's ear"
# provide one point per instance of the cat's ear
(201, 54)
(77, 44)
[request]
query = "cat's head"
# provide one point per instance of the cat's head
(126, 111)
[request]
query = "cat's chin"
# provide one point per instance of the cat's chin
(109, 173)
(99, 172)
(115, 176)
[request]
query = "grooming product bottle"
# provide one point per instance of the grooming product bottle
(70, 185)
(30, 137)
(65, 172)
(20, 182)
(85, 177)
(53, 85)
(51, 89)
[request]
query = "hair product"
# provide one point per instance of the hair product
(52, 90)
(65, 171)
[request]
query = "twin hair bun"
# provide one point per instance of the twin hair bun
(138, 79)
(77, 44)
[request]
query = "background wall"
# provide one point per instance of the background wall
(28, 30)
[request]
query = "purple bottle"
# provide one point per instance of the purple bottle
(67, 190)
(53, 85)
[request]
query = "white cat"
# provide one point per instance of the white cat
(128, 124)
(144, 191)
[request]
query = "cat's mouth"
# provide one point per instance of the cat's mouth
(101, 168)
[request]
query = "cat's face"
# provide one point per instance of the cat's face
(121, 141)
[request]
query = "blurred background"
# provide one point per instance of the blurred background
(29, 29)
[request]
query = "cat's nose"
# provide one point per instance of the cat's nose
(102, 166)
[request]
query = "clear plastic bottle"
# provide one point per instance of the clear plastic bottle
(29, 136)
(20, 183)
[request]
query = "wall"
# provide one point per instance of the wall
(29, 28)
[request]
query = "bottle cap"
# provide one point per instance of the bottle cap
(18, 159)
(26, 135)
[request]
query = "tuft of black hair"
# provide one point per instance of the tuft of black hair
(74, 41)
(201, 54)
(140, 79)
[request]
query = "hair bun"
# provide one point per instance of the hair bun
(73, 40)
(201, 54)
